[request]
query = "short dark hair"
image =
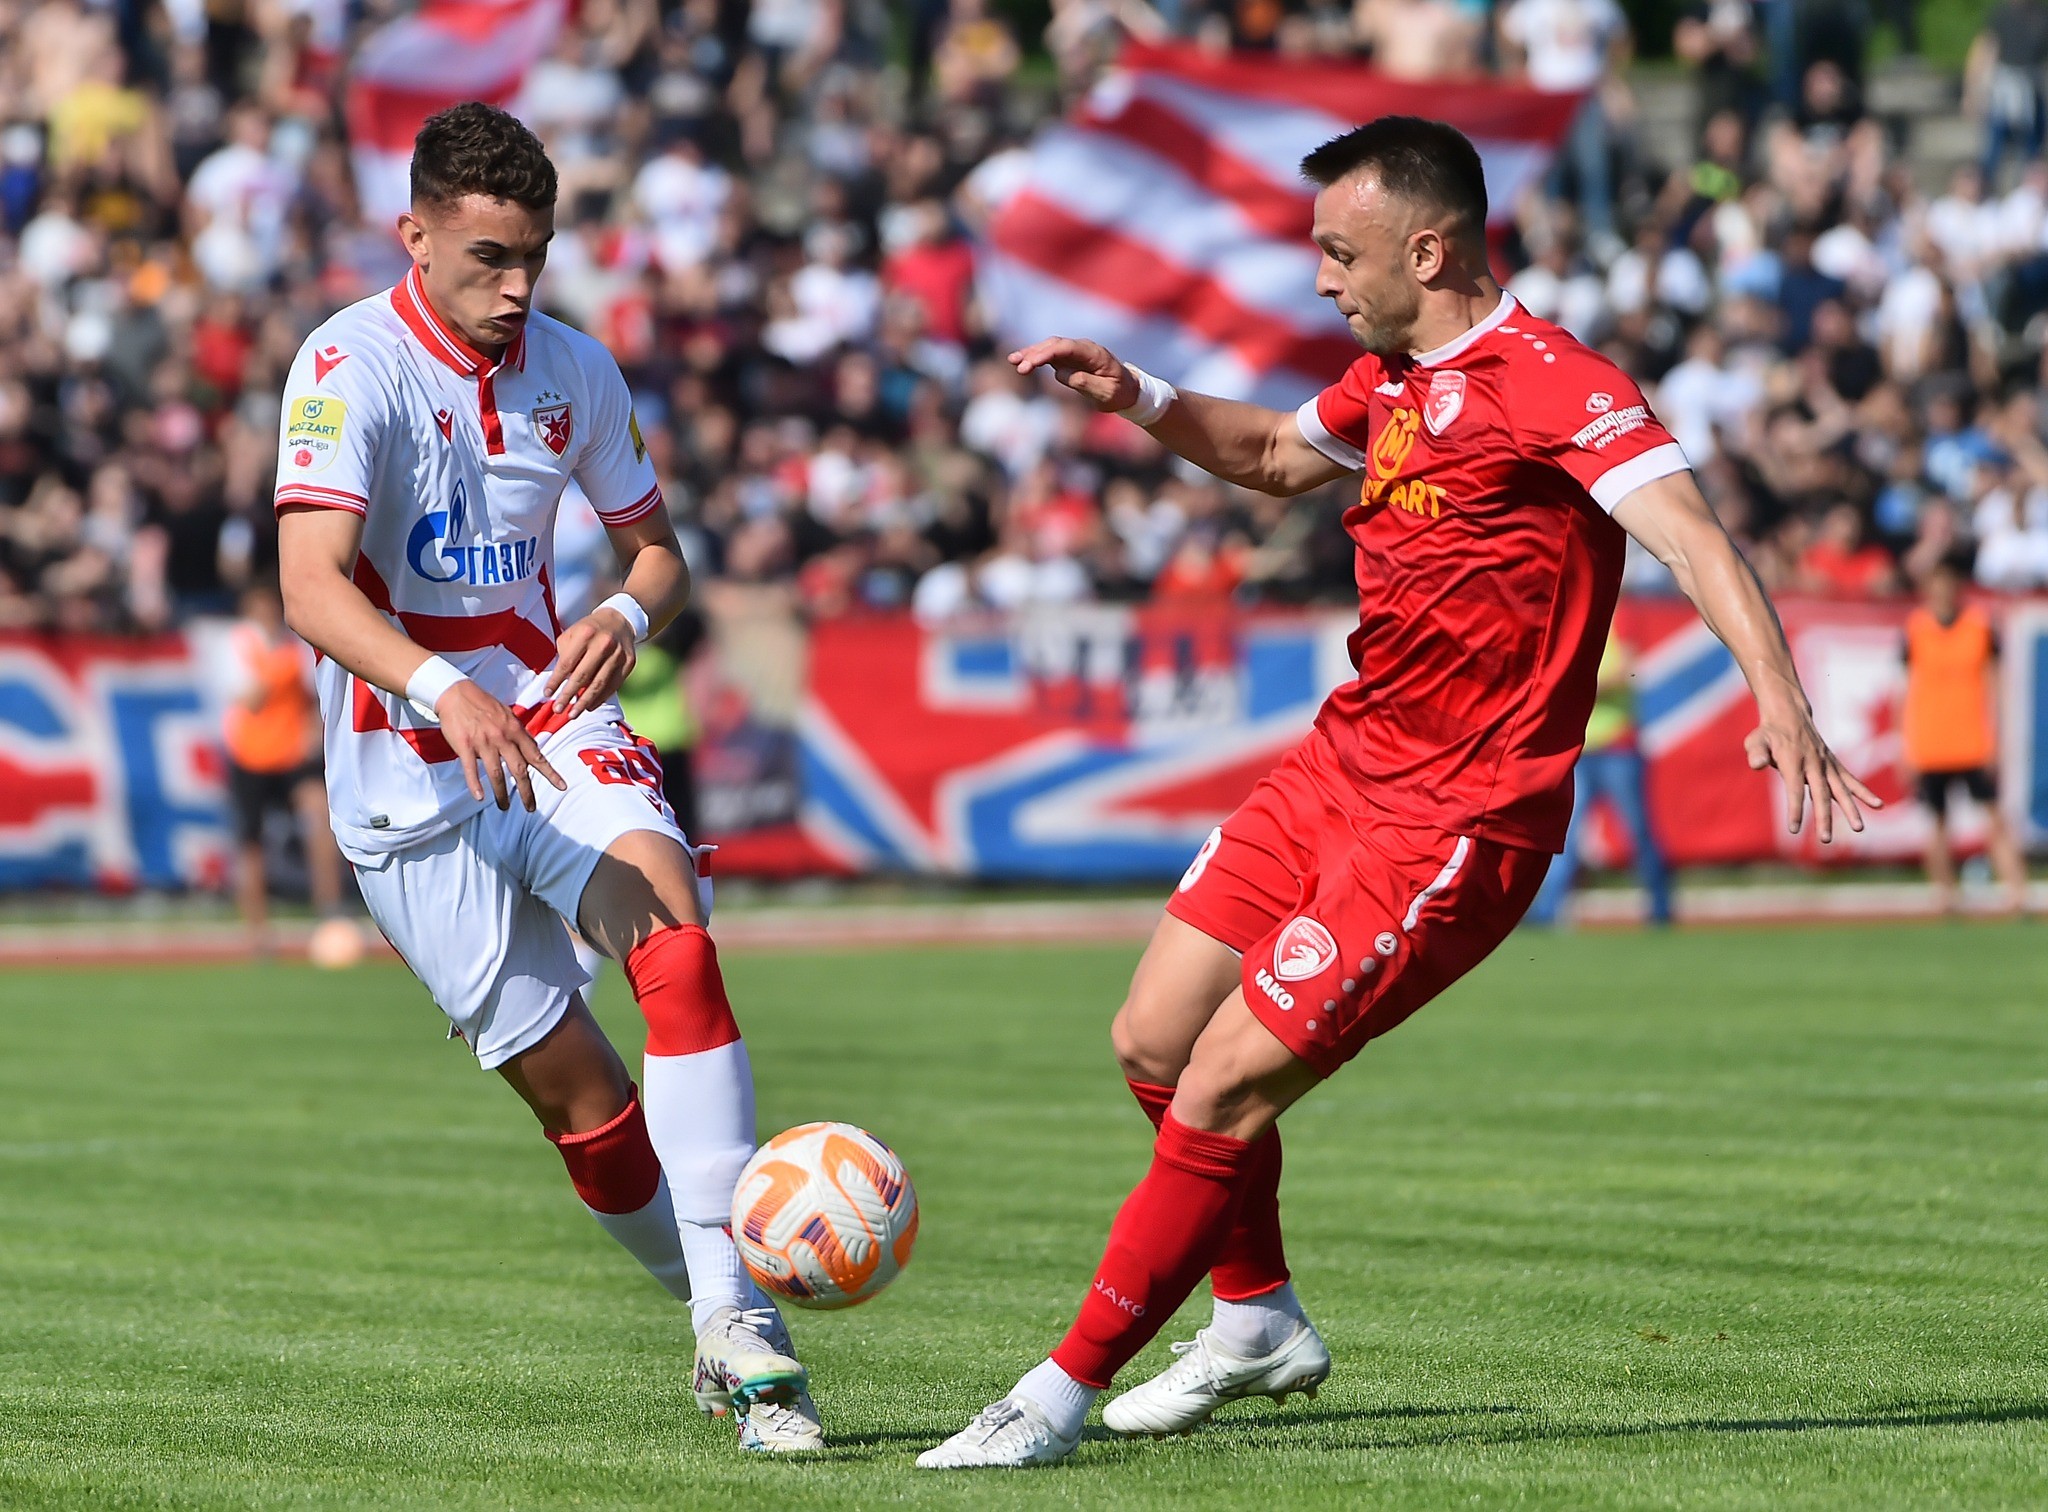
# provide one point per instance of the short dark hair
(1424, 161)
(474, 148)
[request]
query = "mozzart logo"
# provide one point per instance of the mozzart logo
(312, 432)
(1390, 450)
(434, 553)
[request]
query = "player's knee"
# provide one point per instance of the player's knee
(1213, 1091)
(1140, 1053)
(643, 884)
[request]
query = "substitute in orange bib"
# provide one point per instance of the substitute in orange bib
(272, 736)
(1502, 468)
(1951, 733)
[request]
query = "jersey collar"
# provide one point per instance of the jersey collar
(409, 299)
(1458, 345)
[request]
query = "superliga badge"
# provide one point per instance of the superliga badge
(312, 433)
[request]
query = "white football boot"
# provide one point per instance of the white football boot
(744, 1358)
(782, 1428)
(1205, 1377)
(1010, 1434)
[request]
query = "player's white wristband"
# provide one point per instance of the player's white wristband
(435, 677)
(1154, 395)
(627, 608)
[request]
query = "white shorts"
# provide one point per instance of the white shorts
(478, 912)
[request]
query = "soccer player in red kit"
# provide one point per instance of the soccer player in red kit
(1504, 466)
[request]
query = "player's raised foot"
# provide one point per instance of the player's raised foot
(1012, 1434)
(782, 1428)
(744, 1358)
(1206, 1376)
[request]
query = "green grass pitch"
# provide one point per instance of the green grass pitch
(1720, 1219)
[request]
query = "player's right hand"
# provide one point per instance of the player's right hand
(490, 741)
(1089, 369)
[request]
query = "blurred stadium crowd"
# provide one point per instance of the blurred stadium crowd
(769, 217)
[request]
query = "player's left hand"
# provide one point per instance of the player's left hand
(592, 658)
(1789, 742)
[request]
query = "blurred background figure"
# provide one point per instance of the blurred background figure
(1611, 767)
(272, 737)
(2002, 82)
(1950, 735)
(657, 705)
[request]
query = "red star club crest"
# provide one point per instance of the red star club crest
(552, 424)
(1446, 398)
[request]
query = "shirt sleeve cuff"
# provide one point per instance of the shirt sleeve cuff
(639, 509)
(319, 498)
(1618, 482)
(1317, 434)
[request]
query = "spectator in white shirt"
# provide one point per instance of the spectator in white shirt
(2010, 522)
(682, 197)
(236, 205)
(1569, 46)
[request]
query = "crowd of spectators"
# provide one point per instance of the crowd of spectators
(768, 213)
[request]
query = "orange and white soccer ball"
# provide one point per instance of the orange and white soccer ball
(824, 1215)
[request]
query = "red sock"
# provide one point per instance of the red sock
(675, 979)
(613, 1167)
(1253, 1260)
(1165, 1236)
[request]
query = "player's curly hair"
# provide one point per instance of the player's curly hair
(1428, 162)
(474, 148)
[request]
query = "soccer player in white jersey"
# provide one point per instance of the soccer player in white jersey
(481, 778)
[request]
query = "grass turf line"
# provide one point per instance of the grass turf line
(1712, 1220)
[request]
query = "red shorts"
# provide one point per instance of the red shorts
(1349, 918)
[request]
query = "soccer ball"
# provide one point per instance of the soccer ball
(824, 1215)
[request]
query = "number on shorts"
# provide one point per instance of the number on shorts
(630, 765)
(1201, 862)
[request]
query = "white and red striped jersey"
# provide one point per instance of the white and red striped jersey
(456, 464)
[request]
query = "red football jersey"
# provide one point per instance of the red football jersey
(1488, 567)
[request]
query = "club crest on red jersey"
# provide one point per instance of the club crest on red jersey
(1304, 949)
(552, 423)
(1446, 398)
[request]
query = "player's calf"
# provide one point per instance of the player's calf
(590, 1111)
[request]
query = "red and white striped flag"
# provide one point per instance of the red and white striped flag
(1169, 220)
(445, 52)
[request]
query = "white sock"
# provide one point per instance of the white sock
(650, 1236)
(1258, 1325)
(717, 1278)
(1058, 1395)
(700, 1115)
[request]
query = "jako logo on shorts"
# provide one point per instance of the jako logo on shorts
(1304, 949)
(484, 562)
(1280, 995)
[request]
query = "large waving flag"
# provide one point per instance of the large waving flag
(1168, 218)
(445, 52)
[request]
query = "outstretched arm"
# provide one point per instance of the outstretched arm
(1245, 444)
(1675, 523)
